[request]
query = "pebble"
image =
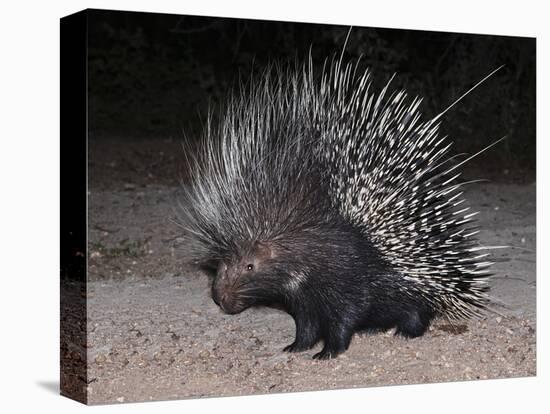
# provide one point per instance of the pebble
(100, 359)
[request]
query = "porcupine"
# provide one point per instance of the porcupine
(335, 203)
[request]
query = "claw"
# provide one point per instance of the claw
(324, 355)
(293, 347)
(289, 348)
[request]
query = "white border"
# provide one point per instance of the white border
(29, 216)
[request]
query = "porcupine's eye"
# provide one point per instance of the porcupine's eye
(250, 267)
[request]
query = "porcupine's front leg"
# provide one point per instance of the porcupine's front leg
(337, 339)
(307, 334)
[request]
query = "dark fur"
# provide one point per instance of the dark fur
(346, 288)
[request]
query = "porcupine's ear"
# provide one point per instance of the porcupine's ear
(264, 251)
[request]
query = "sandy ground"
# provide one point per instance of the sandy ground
(154, 332)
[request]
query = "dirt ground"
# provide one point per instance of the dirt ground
(154, 332)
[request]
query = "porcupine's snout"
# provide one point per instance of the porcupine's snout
(224, 291)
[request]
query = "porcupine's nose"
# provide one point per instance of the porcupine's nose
(227, 302)
(220, 296)
(223, 301)
(215, 293)
(215, 298)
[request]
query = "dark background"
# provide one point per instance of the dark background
(153, 76)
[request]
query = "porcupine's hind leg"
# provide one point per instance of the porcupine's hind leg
(307, 334)
(414, 322)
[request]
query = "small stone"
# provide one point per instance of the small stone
(120, 399)
(141, 363)
(204, 354)
(100, 359)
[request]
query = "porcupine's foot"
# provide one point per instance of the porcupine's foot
(298, 347)
(337, 342)
(307, 335)
(414, 323)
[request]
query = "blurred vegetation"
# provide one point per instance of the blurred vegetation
(155, 75)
